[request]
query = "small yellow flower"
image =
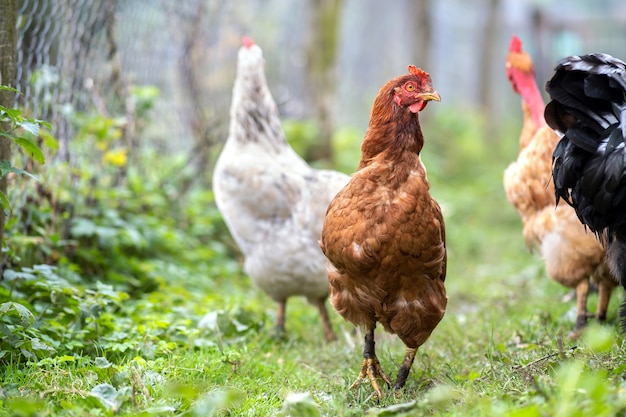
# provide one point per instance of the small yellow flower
(116, 157)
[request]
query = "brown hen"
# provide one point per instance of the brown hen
(384, 234)
(570, 252)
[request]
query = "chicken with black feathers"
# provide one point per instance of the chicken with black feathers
(588, 109)
(570, 252)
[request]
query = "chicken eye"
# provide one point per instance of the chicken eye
(410, 87)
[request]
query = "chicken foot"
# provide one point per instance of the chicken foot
(405, 368)
(370, 366)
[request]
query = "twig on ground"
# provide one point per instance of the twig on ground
(543, 358)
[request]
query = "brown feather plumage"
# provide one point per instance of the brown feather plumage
(384, 234)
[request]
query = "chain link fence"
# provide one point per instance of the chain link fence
(80, 55)
(77, 55)
(59, 51)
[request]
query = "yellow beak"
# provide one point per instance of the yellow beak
(432, 96)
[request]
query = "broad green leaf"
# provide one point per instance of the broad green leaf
(7, 88)
(4, 330)
(393, 410)
(14, 114)
(109, 396)
(37, 344)
(217, 400)
(6, 167)
(83, 227)
(153, 379)
(30, 126)
(102, 362)
(40, 123)
(26, 317)
(300, 405)
(32, 149)
(11, 274)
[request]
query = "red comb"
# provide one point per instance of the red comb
(515, 45)
(418, 72)
(247, 42)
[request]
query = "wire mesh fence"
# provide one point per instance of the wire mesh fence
(59, 48)
(76, 55)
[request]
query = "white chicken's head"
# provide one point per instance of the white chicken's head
(415, 90)
(250, 57)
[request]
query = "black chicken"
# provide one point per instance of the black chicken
(588, 108)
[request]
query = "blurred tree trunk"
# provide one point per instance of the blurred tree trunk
(542, 36)
(8, 42)
(489, 53)
(419, 11)
(322, 55)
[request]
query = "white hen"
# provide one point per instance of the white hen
(272, 201)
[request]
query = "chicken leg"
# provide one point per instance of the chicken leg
(370, 366)
(328, 329)
(279, 328)
(403, 373)
(606, 283)
(582, 290)
(604, 296)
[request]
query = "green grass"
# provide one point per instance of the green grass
(202, 344)
(501, 347)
